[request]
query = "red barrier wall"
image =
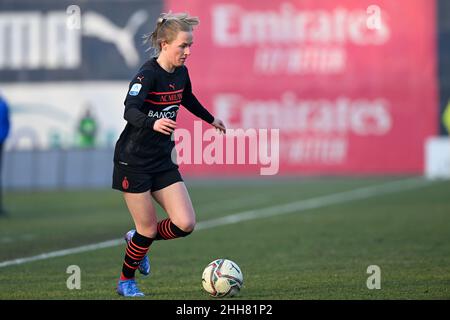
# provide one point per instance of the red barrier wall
(352, 88)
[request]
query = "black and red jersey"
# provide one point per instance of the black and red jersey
(154, 93)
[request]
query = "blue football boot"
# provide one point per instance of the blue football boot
(129, 288)
(144, 265)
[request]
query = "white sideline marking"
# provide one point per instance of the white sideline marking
(313, 203)
(65, 252)
(297, 206)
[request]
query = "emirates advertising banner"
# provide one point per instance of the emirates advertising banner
(311, 87)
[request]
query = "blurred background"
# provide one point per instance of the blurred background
(355, 88)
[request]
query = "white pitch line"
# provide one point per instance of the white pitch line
(65, 252)
(297, 206)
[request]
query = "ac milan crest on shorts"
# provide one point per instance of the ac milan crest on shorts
(137, 182)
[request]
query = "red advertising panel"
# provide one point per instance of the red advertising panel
(351, 86)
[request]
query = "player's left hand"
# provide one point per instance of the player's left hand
(219, 125)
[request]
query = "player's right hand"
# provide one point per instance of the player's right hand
(164, 126)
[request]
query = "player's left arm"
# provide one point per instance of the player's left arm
(191, 103)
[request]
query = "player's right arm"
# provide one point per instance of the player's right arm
(137, 92)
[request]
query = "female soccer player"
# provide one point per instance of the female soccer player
(143, 167)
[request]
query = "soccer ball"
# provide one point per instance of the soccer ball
(222, 277)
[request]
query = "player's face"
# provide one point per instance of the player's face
(179, 49)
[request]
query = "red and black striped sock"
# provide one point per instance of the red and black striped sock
(167, 230)
(136, 250)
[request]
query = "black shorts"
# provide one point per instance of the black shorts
(138, 182)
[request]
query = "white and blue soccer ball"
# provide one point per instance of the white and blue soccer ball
(222, 277)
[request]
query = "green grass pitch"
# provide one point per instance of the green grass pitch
(318, 253)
